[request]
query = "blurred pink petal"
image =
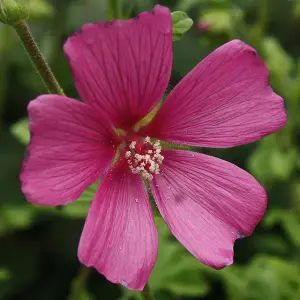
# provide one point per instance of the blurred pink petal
(119, 238)
(69, 150)
(225, 101)
(122, 68)
(207, 203)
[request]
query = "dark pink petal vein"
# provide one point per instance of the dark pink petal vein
(69, 150)
(119, 238)
(224, 101)
(207, 203)
(122, 68)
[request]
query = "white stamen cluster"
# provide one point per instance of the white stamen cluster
(147, 163)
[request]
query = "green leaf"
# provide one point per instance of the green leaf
(289, 220)
(181, 24)
(78, 289)
(188, 4)
(15, 216)
(21, 131)
(39, 8)
(269, 162)
(222, 20)
(270, 243)
(265, 278)
(84, 295)
(81, 12)
(278, 61)
(283, 163)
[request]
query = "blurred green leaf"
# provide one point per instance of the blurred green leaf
(78, 289)
(15, 217)
(290, 221)
(265, 278)
(221, 20)
(278, 61)
(283, 162)
(84, 295)
(271, 243)
(181, 24)
(188, 4)
(269, 162)
(4, 274)
(21, 131)
(82, 12)
(39, 8)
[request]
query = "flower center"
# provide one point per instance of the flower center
(144, 157)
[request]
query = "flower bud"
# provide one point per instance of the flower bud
(203, 26)
(12, 12)
(181, 24)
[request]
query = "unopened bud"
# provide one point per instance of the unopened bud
(203, 26)
(181, 24)
(12, 12)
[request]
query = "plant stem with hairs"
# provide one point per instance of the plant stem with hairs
(37, 58)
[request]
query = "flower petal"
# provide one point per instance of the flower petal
(119, 237)
(207, 203)
(69, 150)
(122, 68)
(224, 101)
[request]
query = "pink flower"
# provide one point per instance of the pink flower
(121, 70)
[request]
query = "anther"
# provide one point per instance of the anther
(144, 159)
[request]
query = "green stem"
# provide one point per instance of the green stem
(78, 284)
(146, 293)
(263, 15)
(263, 12)
(37, 58)
(4, 63)
(114, 9)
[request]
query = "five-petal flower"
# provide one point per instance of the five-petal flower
(121, 70)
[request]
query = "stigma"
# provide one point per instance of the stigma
(144, 157)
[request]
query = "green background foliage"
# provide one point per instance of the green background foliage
(38, 245)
